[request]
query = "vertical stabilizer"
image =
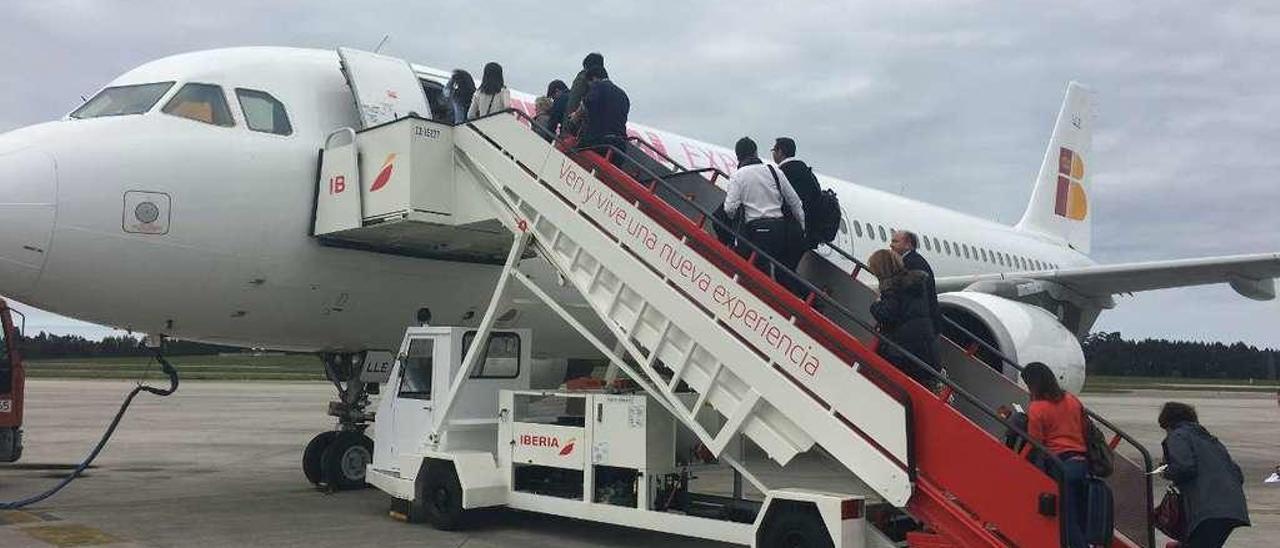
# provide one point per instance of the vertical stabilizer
(1059, 205)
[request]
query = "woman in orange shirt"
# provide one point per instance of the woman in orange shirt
(1055, 418)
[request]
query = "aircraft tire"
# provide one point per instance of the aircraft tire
(440, 496)
(312, 454)
(342, 465)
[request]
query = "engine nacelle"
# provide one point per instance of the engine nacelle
(1023, 332)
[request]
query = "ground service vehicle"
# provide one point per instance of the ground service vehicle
(12, 380)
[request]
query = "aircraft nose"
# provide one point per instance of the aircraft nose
(28, 195)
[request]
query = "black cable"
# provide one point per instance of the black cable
(168, 369)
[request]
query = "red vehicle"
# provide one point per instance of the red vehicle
(11, 384)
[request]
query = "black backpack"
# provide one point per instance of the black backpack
(823, 222)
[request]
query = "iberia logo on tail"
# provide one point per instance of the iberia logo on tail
(384, 175)
(1071, 201)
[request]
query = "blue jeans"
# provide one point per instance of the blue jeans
(1075, 505)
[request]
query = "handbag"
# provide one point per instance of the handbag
(1169, 516)
(1097, 451)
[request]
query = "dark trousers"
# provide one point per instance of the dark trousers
(1211, 533)
(604, 141)
(1075, 507)
(767, 235)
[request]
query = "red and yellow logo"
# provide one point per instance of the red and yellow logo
(1071, 201)
(384, 176)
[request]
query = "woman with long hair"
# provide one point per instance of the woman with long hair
(1210, 482)
(492, 96)
(902, 314)
(459, 90)
(1055, 418)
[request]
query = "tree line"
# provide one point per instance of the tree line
(46, 345)
(1107, 353)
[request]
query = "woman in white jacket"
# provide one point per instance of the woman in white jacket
(492, 95)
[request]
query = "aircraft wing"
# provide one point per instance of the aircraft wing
(1252, 276)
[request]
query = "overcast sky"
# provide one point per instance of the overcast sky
(949, 102)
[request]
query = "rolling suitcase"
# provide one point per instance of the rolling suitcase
(1099, 513)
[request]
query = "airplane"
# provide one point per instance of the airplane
(178, 200)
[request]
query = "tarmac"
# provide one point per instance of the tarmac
(218, 464)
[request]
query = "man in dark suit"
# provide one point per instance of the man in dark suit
(606, 107)
(800, 174)
(904, 243)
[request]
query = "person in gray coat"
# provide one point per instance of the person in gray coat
(1212, 484)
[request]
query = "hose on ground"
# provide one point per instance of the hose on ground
(165, 367)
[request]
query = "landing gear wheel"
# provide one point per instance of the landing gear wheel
(441, 497)
(796, 528)
(312, 454)
(342, 466)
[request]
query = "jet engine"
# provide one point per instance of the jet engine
(1024, 333)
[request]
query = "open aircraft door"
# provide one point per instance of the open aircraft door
(384, 88)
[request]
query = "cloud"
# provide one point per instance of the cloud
(951, 102)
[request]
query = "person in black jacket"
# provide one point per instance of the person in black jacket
(559, 94)
(902, 315)
(905, 244)
(606, 107)
(802, 179)
(1211, 484)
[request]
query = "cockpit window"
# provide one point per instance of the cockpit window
(201, 102)
(264, 113)
(121, 100)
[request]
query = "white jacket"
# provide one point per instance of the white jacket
(483, 104)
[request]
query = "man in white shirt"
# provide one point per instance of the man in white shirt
(762, 191)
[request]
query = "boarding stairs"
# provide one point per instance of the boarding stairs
(986, 375)
(692, 314)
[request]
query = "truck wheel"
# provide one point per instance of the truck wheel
(796, 527)
(441, 496)
(343, 463)
(311, 456)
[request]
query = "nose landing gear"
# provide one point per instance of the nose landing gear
(336, 459)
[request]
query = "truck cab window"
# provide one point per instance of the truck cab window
(416, 370)
(501, 359)
(122, 100)
(202, 103)
(263, 113)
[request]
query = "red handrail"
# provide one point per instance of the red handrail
(950, 457)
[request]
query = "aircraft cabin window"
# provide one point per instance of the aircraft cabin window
(416, 370)
(926, 243)
(264, 113)
(121, 100)
(871, 233)
(966, 250)
(857, 228)
(883, 238)
(946, 246)
(202, 103)
(844, 227)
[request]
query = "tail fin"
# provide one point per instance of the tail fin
(1059, 205)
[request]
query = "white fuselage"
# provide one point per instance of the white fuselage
(238, 265)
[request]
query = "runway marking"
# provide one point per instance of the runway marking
(69, 535)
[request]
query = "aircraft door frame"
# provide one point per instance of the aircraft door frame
(383, 88)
